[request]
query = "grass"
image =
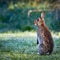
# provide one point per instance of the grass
(22, 46)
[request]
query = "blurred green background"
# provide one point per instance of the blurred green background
(14, 14)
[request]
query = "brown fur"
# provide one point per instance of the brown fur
(44, 34)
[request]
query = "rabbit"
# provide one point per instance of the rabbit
(44, 37)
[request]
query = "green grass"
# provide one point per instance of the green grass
(22, 46)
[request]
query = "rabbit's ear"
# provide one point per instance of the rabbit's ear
(42, 15)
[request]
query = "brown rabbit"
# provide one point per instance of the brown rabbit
(44, 38)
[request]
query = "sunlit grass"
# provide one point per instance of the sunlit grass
(18, 34)
(29, 5)
(11, 5)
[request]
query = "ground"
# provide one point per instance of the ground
(22, 46)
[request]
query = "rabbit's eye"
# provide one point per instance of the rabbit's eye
(37, 19)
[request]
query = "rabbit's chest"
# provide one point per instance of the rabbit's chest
(40, 38)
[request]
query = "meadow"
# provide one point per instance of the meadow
(22, 46)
